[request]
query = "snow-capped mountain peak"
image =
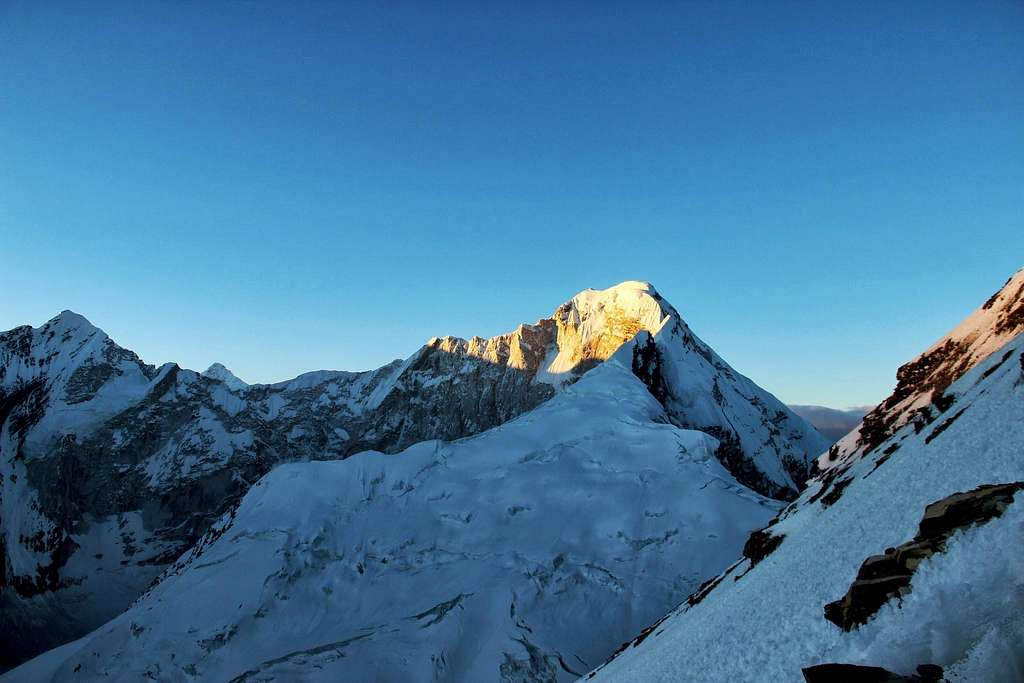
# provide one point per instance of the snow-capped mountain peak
(218, 372)
(68, 320)
(761, 441)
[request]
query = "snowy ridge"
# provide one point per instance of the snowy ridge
(463, 561)
(922, 381)
(765, 620)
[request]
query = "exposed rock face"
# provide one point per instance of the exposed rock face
(760, 544)
(884, 577)
(112, 468)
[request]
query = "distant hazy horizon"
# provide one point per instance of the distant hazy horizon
(821, 191)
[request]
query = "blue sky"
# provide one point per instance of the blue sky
(821, 190)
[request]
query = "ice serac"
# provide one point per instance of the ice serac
(525, 553)
(112, 468)
(896, 544)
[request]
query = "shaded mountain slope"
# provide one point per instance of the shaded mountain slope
(521, 554)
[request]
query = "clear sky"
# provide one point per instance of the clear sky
(821, 189)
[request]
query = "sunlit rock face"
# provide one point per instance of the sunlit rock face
(762, 442)
(112, 468)
(919, 396)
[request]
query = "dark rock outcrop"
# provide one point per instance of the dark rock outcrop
(856, 673)
(883, 577)
(760, 545)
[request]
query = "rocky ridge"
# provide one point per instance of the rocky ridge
(919, 396)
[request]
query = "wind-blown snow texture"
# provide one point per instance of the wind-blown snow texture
(766, 622)
(111, 468)
(523, 554)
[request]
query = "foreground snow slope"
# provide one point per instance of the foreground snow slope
(526, 553)
(111, 468)
(766, 622)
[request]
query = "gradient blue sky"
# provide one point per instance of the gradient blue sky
(821, 189)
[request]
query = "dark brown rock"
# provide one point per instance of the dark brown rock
(945, 516)
(930, 672)
(884, 577)
(760, 545)
(865, 597)
(848, 673)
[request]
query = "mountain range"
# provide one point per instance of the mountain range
(113, 468)
(832, 423)
(597, 495)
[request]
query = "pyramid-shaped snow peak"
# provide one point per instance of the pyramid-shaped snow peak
(761, 441)
(218, 372)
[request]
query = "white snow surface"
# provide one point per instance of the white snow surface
(964, 612)
(534, 548)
